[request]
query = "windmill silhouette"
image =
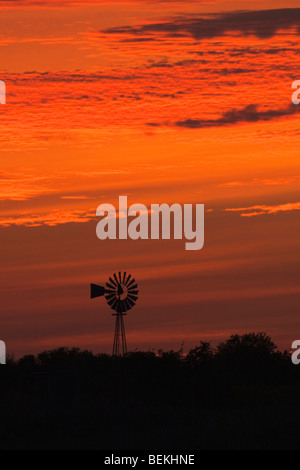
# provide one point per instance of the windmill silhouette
(121, 295)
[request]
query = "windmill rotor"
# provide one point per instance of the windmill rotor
(121, 292)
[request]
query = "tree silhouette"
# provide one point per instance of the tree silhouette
(243, 394)
(200, 354)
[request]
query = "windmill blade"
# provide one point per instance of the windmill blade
(128, 279)
(130, 302)
(132, 297)
(133, 292)
(132, 287)
(124, 275)
(110, 296)
(113, 282)
(131, 282)
(111, 286)
(120, 278)
(110, 291)
(111, 302)
(127, 304)
(116, 278)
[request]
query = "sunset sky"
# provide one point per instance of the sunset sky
(165, 102)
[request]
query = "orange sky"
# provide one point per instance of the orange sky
(164, 102)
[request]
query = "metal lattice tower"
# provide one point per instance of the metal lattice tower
(120, 346)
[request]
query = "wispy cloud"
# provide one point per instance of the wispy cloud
(20, 186)
(75, 197)
(261, 182)
(49, 219)
(264, 209)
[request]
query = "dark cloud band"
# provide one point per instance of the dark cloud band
(248, 114)
(263, 24)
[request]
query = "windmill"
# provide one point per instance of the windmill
(121, 295)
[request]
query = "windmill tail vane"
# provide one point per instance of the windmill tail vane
(121, 295)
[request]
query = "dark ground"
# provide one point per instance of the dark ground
(243, 395)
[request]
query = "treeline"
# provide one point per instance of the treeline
(243, 394)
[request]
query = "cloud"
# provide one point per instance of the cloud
(24, 185)
(139, 40)
(249, 113)
(264, 24)
(263, 210)
(59, 3)
(50, 219)
(20, 186)
(75, 197)
(247, 50)
(261, 182)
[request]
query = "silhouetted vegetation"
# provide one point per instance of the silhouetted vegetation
(242, 395)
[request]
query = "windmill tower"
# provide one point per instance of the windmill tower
(121, 295)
